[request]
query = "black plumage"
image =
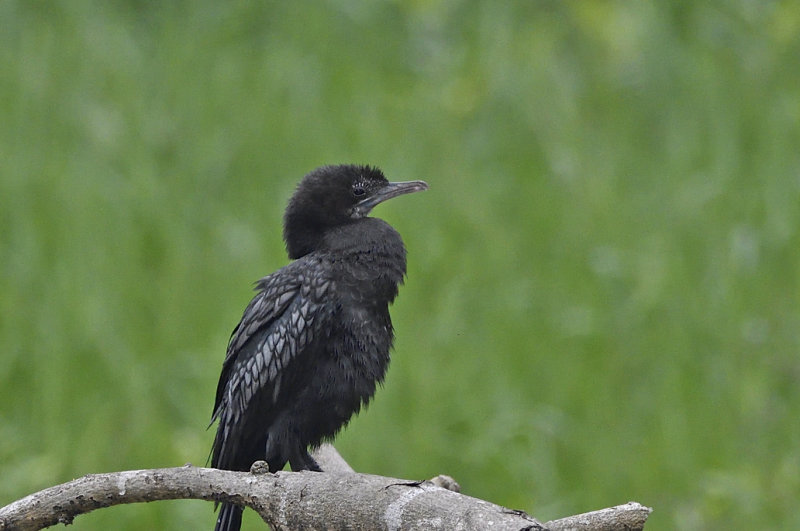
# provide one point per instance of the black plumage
(314, 342)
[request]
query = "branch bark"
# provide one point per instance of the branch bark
(295, 500)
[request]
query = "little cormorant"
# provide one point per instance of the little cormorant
(314, 342)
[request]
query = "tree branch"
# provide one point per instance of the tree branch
(628, 517)
(293, 500)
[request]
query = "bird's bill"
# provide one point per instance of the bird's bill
(388, 191)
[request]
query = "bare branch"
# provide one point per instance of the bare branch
(330, 460)
(285, 500)
(294, 500)
(628, 517)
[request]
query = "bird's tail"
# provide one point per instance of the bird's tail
(230, 518)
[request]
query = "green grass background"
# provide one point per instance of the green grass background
(603, 297)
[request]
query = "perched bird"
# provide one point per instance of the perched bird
(314, 342)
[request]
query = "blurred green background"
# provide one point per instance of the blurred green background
(603, 297)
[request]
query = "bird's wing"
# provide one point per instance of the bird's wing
(289, 310)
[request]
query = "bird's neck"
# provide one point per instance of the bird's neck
(365, 234)
(302, 234)
(368, 251)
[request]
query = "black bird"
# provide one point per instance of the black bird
(314, 342)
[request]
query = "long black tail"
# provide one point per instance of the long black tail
(230, 518)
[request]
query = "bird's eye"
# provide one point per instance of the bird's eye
(358, 191)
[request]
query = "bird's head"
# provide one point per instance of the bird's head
(332, 196)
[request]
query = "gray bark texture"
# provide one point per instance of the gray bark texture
(336, 499)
